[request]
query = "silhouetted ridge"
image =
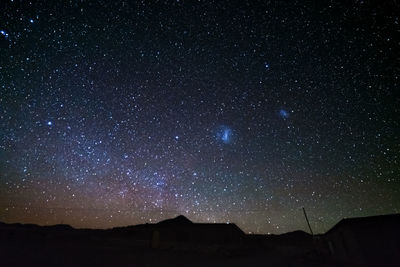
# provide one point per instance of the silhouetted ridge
(31, 226)
(63, 227)
(180, 220)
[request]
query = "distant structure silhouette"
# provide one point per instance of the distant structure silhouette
(366, 241)
(180, 230)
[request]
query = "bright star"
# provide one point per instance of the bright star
(4, 34)
(49, 123)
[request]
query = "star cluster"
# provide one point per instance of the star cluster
(116, 112)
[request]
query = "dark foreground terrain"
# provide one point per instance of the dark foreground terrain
(175, 242)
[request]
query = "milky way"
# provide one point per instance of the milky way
(116, 113)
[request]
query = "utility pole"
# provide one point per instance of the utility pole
(309, 226)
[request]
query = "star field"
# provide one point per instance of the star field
(116, 113)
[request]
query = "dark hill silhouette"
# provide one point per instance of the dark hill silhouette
(35, 226)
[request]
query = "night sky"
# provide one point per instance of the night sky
(117, 113)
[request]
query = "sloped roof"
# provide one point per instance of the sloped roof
(183, 222)
(366, 221)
